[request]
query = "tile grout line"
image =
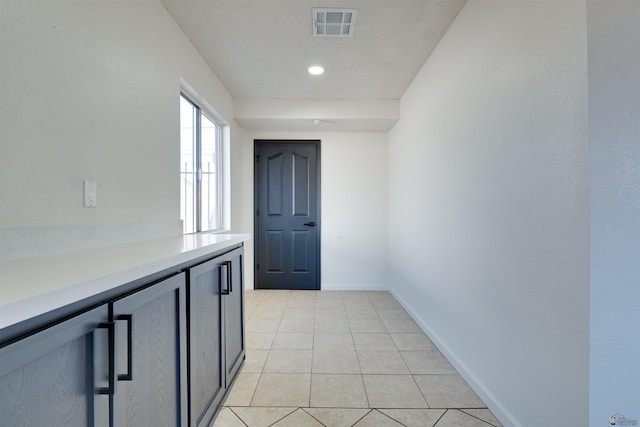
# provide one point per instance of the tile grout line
(311, 415)
(441, 417)
(237, 416)
(471, 415)
(391, 418)
(290, 413)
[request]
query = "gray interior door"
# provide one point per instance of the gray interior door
(287, 227)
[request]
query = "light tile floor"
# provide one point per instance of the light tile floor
(341, 359)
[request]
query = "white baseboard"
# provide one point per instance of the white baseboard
(352, 287)
(498, 409)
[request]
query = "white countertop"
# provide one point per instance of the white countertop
(30, 287)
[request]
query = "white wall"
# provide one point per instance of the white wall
(614, 139)
(90, 91)
(353, 206)
(488, 206)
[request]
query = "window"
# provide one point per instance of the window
(200, 178)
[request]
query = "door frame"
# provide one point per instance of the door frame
(256, 237)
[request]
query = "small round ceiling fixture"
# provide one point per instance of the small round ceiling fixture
(315, 70)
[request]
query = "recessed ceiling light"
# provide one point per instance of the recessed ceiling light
(316, 70)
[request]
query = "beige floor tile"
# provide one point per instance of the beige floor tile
(250, 307)
(335, 362)
(275, 299)
(332, 325)
(333, 391)
(327, 300)
(251, 301)
(296, 325)
(383, 300)
(248, 310)
(288, 362)
(413, 342)
(381, 362)
(271, 304)
(337, 417)
(448, 391)
(415, 417)
(297, 313)
(377, 419)
(293, 340)
(226, 418)
(333, 341)
(329, 303)
(329, 295)
(331, 313)
(427, 362)
(254, 361)
(364, 312)
(455, 418)
(366, 326)
(373, 342)
(282, 390)
(393, 314)
(356, 303)
(379, 295)
(267, 313)
(259, 340)
(355, 296)
(484, 414)
(298, 419)
(262, 417)
(242, 391)
(393, 391)
(277, 295)
(262, 325)
(401, 326)
(344, 352)
(305, 299)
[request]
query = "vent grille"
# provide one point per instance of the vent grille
(333, 22)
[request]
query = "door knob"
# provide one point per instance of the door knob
(310, 224)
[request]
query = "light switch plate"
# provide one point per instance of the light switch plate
(90, 194)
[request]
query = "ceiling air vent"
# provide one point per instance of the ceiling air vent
(333, 22)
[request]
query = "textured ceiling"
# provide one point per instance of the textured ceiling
(262, 48)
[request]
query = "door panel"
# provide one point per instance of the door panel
(287, 214)
(301, 195)
(274, 253)
(234, 317)
(274, 176)
(151, 366)
(59, 376)
(300, 252)
(205, 334)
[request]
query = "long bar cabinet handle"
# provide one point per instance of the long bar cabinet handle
(129, 375)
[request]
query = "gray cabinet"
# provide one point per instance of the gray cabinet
(59, 376)
(216, 333)
(234, 317)
(151, 362)
(148, 354)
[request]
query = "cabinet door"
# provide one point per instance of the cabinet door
(59, 376)
(207, 383)
(151, 356)
(234, 316)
